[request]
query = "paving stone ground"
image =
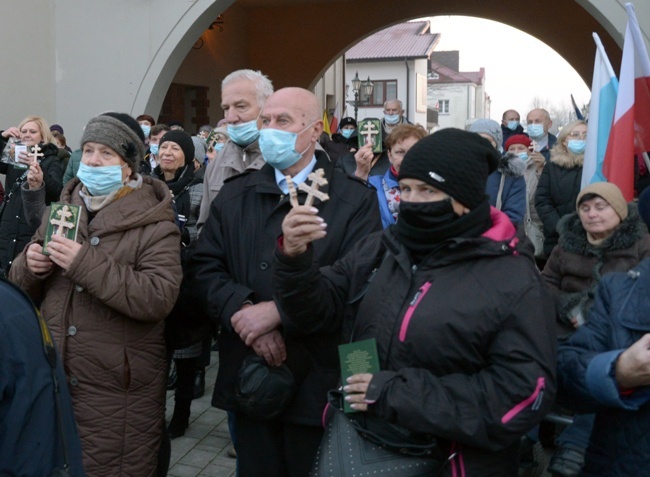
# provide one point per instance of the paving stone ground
(202, 450)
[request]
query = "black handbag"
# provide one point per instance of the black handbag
(357, 444)
(263, 391)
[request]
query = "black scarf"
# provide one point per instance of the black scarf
(423, 226)
(182, 177)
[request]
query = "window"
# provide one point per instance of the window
(383, 90)
(443, 106)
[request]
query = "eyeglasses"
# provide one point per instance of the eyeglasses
(578, 135)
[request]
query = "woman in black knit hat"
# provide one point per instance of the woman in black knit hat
(185, 328)
(462, 321)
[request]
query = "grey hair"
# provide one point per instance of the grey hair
(401, 106)
(263, 84)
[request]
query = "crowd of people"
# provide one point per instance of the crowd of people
(496, 290)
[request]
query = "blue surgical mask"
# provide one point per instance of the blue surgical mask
(347, 133)
(536, 131)
(243, 134)
(391, 118)
(101, 180)
(145, 129)
(153, 149)
(523, 156)
(279, 147)
(512, 125)
(219, 146)
(577, 146)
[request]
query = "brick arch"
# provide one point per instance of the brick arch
(294, 42)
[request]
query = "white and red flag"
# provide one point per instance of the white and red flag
(334, 123)
(630, 133)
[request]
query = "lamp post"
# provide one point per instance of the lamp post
(357, 86)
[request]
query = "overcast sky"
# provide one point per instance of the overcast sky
(518, 67)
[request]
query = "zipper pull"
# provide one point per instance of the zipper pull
(415, 298)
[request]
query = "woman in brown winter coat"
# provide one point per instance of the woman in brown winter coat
(105, 297)
(604, 235)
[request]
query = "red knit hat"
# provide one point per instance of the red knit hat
(517, 139)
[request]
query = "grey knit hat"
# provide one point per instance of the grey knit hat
(489, 127)
(118, 136)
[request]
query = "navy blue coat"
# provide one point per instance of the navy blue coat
(620, 441)
(513, 197)
(30, 441)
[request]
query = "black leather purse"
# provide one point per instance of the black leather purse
(360, 445)
(263, 391)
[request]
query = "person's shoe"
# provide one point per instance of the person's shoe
(231, 452)
(199, 384)
(172, 378)
(567, 461)
(180, 419)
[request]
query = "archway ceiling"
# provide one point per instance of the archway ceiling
(295, 41)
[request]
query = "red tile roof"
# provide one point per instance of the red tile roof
(405, 40)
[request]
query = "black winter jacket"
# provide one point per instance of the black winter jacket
(466, 339)
(15, 230)
(557, 191)
(232, 264)
(620, 440)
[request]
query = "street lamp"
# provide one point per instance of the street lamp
(357, 84)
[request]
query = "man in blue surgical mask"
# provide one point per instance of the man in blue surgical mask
(243, 93)
(538, 123)
(510, 124)
(233, 279)
(393, 116)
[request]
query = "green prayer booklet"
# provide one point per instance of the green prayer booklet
(356, 358)
(63, 220)
(370, 133)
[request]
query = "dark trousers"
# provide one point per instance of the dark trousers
(185, 372)
(275, 448)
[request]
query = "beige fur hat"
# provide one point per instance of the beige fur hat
(608, 191)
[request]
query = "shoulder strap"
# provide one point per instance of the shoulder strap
(501, 184)
(14, 187)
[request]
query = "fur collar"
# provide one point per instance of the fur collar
(573, 237)
(510, 165)
(564, 158)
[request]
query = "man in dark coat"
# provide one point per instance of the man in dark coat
(31, 441)
(510, 125)
(463, 324)
(538, 123)
(233, 278)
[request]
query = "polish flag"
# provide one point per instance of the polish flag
(630, 132)
(334, 123)
(604, 88)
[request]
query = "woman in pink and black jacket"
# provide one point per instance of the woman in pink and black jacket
(463, 323)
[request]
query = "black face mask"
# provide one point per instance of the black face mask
(421, 226)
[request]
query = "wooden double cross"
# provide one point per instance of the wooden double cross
(317, 180)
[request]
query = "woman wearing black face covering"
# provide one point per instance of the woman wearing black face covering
(463, 323)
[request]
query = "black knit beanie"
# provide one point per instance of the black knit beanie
(183, 139)
(454, 161)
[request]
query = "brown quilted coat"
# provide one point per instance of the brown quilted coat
(106, 313)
